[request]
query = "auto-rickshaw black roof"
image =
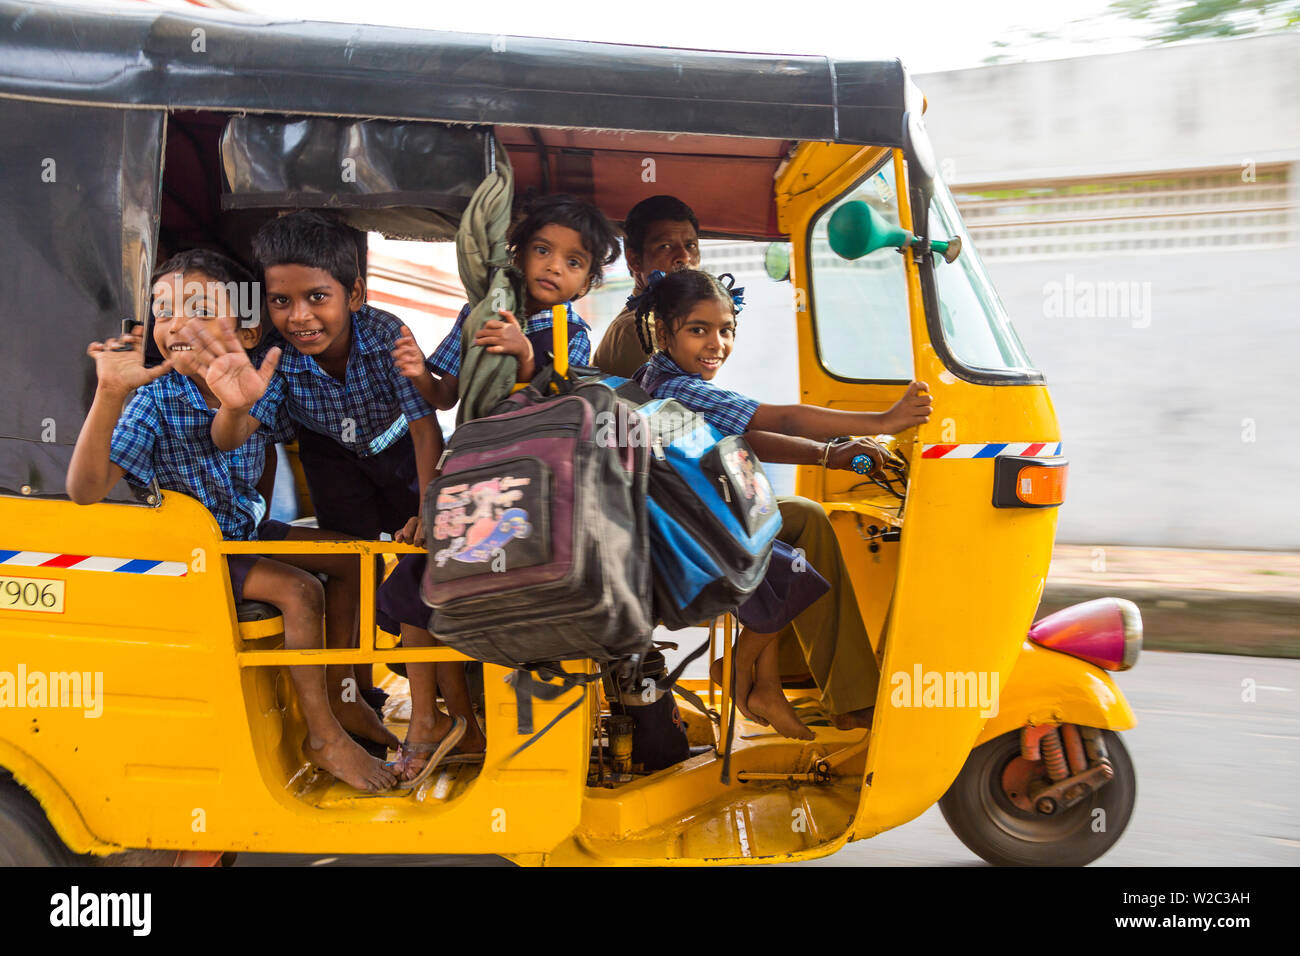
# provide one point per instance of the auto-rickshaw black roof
(125, 140)
(145, 57)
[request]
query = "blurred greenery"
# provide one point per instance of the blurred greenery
(1174, 20)
(1168, 20)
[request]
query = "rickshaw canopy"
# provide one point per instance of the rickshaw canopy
(148, 57)
(101, 102)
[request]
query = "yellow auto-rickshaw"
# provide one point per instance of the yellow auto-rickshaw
(141, 710)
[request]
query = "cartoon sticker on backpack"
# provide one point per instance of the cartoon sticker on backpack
(757, 495)
(479, 520)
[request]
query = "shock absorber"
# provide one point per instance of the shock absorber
(1054, 755)
(1074, 752)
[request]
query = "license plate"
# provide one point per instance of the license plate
(31, 594)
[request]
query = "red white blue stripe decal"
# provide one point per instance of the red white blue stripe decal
(1029, 449)
(90, 562)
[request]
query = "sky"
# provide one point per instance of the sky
(930, 36)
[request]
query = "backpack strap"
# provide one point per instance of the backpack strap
(526, 688)
(697, 702)
(666, 683)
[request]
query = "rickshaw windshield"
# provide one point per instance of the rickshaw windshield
(974, 321)
(860, 306)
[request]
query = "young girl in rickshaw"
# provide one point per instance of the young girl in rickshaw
(688, 320)
(561, 246)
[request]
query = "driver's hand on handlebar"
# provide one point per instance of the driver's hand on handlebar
(411, 533)
(842, 455)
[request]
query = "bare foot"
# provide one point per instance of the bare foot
(855, 719)
(743, 683)
(345, 759)
(360, 718)
(771, 703)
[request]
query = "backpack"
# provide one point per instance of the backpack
(537, 533)
(713, 516)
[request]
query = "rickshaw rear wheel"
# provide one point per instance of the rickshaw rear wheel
(26, 837)
(984, 817)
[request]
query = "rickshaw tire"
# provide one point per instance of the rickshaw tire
(987, 823)
(26, 836)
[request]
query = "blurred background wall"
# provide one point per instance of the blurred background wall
(1138, 213)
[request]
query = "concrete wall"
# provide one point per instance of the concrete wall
(1213, 103)
(1183, 431)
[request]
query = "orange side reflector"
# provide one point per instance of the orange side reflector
(1041, 485)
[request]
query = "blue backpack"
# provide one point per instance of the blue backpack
(713, 516)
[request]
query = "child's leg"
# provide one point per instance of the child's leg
(455, 693)
(749, 645)
(342, 599)
(301, 601)
(767, 700)
(428, 723)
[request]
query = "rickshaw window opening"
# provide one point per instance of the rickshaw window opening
(853, 339)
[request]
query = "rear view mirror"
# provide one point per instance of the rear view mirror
(855, 230)
(777, 261)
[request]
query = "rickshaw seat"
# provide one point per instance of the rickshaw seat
(258, 620)
(255, 611)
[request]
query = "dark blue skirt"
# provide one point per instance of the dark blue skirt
(789, 588)
(398, 601)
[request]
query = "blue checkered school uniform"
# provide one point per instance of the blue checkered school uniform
(728, 412)
(165, 434)
(370, 409)
(445, 359)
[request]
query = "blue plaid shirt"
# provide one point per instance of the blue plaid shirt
(165, 433)
(445, 359)
(728, 412)
(369, 409)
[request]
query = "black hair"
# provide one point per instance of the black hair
(597, 233)
(210, 263)
(650, 211)
(308, 238)
(670, 298)
(220, 268)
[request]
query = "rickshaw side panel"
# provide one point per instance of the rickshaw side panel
(190, 750)
(154, 732)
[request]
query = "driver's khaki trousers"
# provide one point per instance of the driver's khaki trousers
(829, 639)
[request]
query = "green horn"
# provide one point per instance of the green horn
(855, 230)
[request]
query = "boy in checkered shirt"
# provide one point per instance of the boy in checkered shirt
(368, 441)
(165, 435)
